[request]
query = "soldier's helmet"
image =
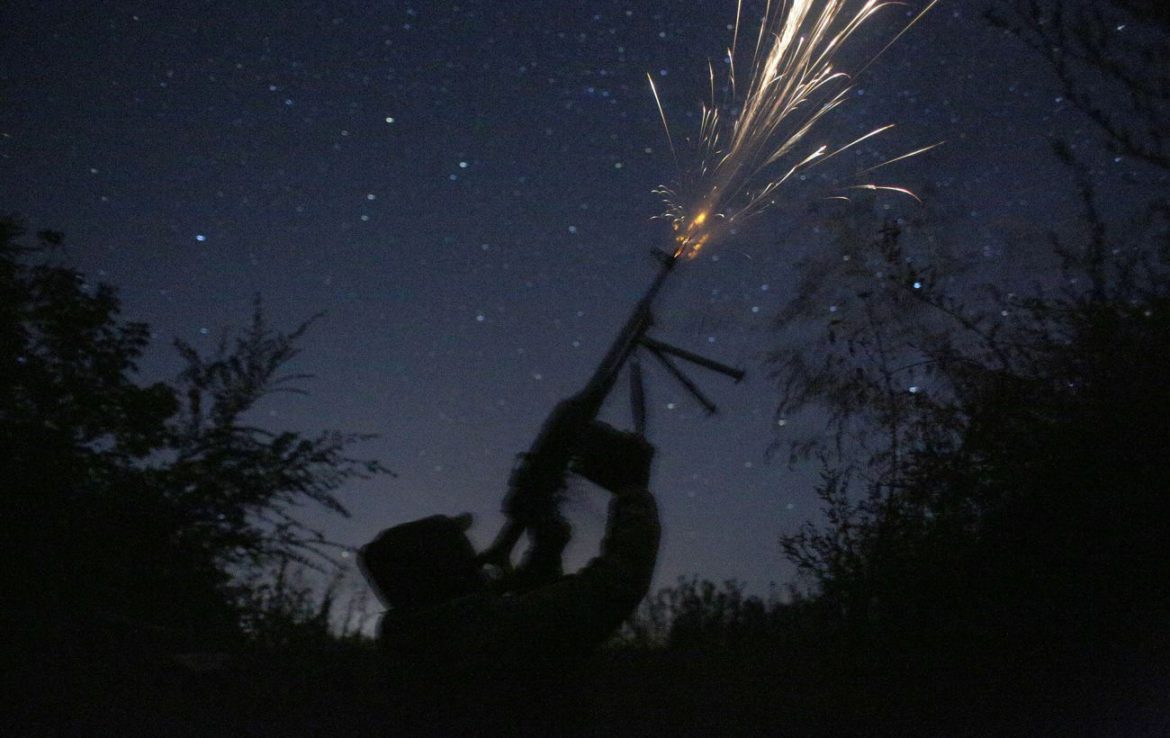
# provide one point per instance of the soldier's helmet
(422, 563)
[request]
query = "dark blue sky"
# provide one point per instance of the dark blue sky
(464, 189)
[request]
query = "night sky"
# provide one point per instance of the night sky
(465, 190)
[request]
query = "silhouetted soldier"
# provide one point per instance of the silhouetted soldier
(450, 625)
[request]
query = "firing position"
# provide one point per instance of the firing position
(450, 621)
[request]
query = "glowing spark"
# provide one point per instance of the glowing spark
(916, 152)
(871, 134)
(748, 148)
(887, 188)
(662, 112)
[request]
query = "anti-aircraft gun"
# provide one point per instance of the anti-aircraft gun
(540, 473)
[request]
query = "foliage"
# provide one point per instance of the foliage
(1110, 59)
(286, 612)
(131, 508)
(236, 483)
(1011, 481)
(1106, 56)
(995, 468)
(698, 613)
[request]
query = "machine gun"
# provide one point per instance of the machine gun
(540, 474)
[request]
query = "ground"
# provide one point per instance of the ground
(341, 691)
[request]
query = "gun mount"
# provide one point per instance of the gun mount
(540, 473)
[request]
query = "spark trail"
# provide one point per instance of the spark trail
(749, 147)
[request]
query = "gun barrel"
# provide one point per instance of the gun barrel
(541, 471)
(631, 334)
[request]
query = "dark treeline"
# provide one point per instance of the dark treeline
(143, 522)
(998, 558)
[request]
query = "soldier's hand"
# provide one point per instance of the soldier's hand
(613, 459)
(498, 557)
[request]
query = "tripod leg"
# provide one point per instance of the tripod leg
(637, 395)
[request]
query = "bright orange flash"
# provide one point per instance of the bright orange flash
(692, 238)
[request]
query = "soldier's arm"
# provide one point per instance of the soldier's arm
(583, 609)
(575, 613)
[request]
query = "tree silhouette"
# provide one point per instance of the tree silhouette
(1111, 61)
(132, 509)
(995, 481)
(996, 467)
(1107, 57)
(237, 483)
